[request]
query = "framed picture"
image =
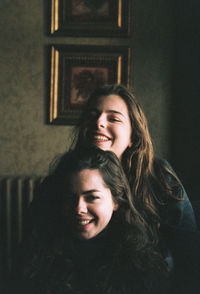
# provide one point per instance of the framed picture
(90, 18)
(75, 73)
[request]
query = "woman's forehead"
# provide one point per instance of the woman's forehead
(109, 102)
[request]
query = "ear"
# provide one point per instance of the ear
(116, 206)
(130, 144)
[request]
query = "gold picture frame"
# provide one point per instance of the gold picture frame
(76, 71)
(92, 18)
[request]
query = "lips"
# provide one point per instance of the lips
(83, 222)
(101, 137)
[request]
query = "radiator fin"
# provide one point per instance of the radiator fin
(15, 197)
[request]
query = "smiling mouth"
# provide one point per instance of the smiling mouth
(101, 138)
(84, 222)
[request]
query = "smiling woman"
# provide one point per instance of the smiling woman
(110, 125)
(93, 205)
(91, 238)
(113, 120)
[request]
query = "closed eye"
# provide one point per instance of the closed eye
(114, 119)
(91, 198)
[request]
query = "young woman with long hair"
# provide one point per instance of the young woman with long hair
(95, 240)
(113, 120)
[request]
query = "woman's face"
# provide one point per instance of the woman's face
(92, 203)
(109, 126)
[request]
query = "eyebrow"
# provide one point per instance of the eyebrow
(108, 111)
(89, 191)
(115, 111)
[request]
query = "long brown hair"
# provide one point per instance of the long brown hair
(129, 262)
(146, 174)
(113, 175)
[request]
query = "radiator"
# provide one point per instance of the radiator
(15, 197)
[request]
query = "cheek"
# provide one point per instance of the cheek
(105, 214)
(122, 134)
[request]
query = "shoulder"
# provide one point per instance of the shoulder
(168, 178)
(179, 211)
(162, 163)
(167, 175)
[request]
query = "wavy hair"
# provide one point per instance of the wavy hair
(145, 173)
(111, 170)
(129, 261)
(126, 220)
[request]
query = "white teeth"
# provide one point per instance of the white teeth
(83, 222)
(101, 138)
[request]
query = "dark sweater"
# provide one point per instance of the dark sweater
(98, 265)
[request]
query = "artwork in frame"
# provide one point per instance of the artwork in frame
(90, 18)
(75, 73)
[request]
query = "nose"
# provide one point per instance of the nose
(81, 207)
(101, 121)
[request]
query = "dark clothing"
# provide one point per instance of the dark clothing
(185, 249)
(182, 238)
(90, 266)
(57, 273)
(178, 212)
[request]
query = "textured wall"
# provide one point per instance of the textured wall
(27, 143)
(152, 48)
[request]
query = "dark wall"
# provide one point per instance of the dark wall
(185, 106)
(28, 143)
(164, 72)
